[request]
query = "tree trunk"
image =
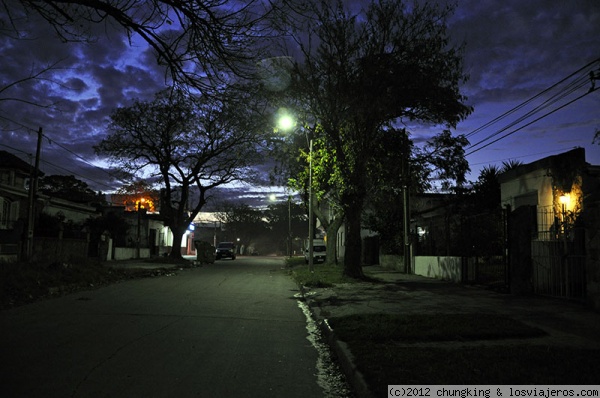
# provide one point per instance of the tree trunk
(332, 230)
(352, 256)
(176, 248)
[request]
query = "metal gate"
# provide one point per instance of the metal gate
(556, 272)
(558, 258)
(486, 262)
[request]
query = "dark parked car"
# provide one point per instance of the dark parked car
(225, 250)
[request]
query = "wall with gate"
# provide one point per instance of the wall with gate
(558, 270)
(592, 241)
(558, 256)
(439, 267)
(51, 250)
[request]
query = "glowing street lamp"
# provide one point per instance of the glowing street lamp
(286, 123)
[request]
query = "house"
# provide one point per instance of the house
(553, 226)
(429, 215)
(15, 207)
(14, 200)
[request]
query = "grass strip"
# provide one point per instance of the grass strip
(378, 342)
(410, 328)
(323, 275)
(22, 283)
(385, 364)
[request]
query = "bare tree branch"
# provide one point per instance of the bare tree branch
(200, 42)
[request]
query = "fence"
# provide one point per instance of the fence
(480, 240)
(556, 272)
(50, 250)
(558, 256)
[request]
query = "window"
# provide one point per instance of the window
(9, 213)
(5, 177)
(4, 213)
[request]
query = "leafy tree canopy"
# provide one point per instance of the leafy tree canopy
(241, 222)
(362, 73)
(69, 188)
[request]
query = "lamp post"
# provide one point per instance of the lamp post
(311, 227)
(290, 226)
(286, 123)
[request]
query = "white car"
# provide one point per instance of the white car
(319, 253)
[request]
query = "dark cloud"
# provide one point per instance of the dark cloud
(513, 49)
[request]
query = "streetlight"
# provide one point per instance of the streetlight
(286, 123)
(290, 226)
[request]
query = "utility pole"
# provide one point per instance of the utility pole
(311, 227)
(33, 182)
(406, 207)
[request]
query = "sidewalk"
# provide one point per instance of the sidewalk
(566, 323)
(143, 263)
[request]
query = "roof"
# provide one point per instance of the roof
(10, 161)
(573, 159)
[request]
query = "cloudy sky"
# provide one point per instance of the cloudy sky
(516, 51)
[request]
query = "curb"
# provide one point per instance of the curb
(345, 358)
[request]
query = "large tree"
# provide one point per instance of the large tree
(191, 144)
(242, 223)
(325, 198)
(361, 73)
(197, 41)
(69, 188)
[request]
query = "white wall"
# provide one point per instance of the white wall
(127, 253)
(75, 212)
(444, 268)
(536, 181)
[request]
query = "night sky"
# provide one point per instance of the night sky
(514, 51)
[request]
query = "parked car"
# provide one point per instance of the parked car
(319, 252)
(225, 250)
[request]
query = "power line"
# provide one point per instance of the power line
(17, 150)
(528, 124)
(523, 104)
(522, 156)
(52, 141)
(571, 87)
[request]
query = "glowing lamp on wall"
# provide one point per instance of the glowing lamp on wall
(564, 200)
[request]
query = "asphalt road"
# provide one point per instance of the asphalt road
(233, 329)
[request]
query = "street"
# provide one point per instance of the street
(232, 329)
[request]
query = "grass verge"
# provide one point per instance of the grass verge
(413, 328)
(323, 275)
(378, 343)
(22, 283)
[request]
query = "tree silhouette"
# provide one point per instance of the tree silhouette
(191, 144)
(359, 75)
